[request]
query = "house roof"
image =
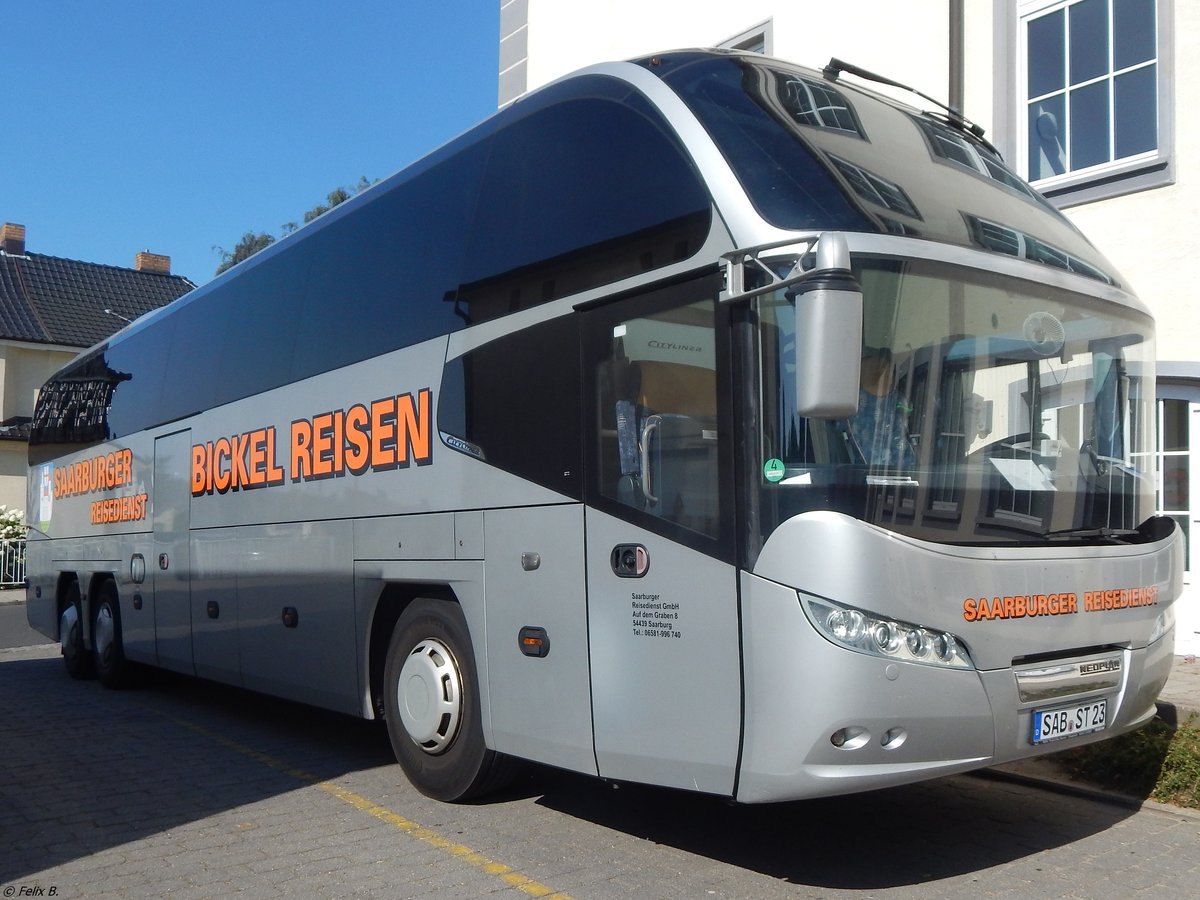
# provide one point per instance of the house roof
(48, 300)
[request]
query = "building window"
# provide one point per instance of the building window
(1093, 108)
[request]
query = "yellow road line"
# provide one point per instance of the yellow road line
(505, 873)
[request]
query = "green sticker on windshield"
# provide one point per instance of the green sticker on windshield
(773, 470)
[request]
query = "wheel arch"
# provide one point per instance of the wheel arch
(393, 599)
(97, 579)
(63, 586)
(88, 585)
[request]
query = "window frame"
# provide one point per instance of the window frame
(1144, 171)
(535, 367)
(596, 324)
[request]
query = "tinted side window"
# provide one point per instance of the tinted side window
(141, 358)
(385, 276)
(579, 193)
(191, 378)
(515, 404)
(261, 311)
(74, 409)
(381, 278)
(105, 394)
(567, 207)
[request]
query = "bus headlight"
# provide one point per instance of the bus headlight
(884, 637)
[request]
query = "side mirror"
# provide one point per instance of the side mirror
(829, 323)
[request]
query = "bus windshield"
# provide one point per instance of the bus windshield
(991, 410)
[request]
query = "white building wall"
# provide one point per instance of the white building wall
(1153, 236)
(565, 35)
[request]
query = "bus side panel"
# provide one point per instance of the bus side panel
(295, 598)
(216, 556)
(137, 619)
(535, 579)
(666, 667)
(41, 607)
(171, 565)
(89, 518)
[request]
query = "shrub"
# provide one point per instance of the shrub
(12, 523)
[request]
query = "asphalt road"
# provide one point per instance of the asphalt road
(185, 789)
(14, 630)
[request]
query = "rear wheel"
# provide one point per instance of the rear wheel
(109, 656)
(76, 657)
(432, 705)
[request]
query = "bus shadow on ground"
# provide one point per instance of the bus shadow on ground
(85, 769)
(901, 836)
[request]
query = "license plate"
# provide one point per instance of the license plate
(1069, 721)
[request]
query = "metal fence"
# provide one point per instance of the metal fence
(12, 562)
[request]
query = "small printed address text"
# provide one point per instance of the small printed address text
(654, 618)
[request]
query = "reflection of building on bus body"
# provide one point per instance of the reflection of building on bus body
(628, 316)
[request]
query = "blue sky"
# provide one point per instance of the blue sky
(178, 125)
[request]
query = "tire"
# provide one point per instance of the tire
(431, 706)
(76, 657)
(107, 652)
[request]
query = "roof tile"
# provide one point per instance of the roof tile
(45, 299)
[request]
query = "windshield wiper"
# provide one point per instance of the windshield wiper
(952, 117)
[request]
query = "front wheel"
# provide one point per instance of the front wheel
(432, 705)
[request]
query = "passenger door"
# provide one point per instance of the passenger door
(662, 598)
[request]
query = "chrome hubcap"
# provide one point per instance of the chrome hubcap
(66, 626)
(429, 696)
(105, 631)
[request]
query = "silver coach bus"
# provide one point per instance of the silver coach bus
(700, 421)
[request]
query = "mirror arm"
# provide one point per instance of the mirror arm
(829, 313)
